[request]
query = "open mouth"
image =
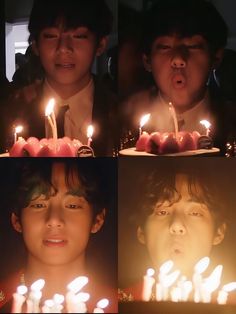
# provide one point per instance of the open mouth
(54, 242)
(65, 65)
(178, 81)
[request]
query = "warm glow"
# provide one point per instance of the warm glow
(90, 131)
(205, 123)
(102, 303)
(171, 278)
(22, 290)
(82, 296)
(150, 272)
(77, 284)
(229, 287)
(38, 285)
(144, 119)
(202, 265)
(50, 107)
(49, 303)
(166, 267)
(18, 129)
(58, 298)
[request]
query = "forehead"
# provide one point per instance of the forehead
(177, 37)
(63, 178)
(182, 185)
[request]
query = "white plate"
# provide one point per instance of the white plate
(133, 152)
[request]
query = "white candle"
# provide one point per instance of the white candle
(49, 113)
(35, 296)
(148, 282)
(101, 305)
(207, 125)
(199, 268)
(18, 129)
(90, 134)
(74, 287)
(223, 293)
(143, 121)
(211, 283)
(160, 286)
(19, 299)
(173, 114)
(58, 299)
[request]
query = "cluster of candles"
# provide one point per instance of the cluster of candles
(50, 115)
(172, 286)
(172, 142)
(74, 301)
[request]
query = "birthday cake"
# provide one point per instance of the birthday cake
(63, 147)
(168, 143)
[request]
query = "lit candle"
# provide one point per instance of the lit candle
(19, 299)
(49, 113)
(199, 268)
(211, 283)
(57, 307)
(47, 307)
(148, 282)
(90, 134)
(18, 129)
(173, 114)
(101, 305)
(160, 289)
(74, 287)
(143, 121)
(168, 282)
(35, 296)
(223, 293)
(207, 125)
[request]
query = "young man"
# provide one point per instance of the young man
(58, 206)
(67, 36)
(181, 49)
(180, 214)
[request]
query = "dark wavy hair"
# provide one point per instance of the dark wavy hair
(94, 14)
(185, 18)
(34, 178)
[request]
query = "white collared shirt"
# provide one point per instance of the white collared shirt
(79, 115)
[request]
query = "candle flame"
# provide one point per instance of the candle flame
(38, 285)
(50, 107)
(77, 284)
(150, 272)
(205, 123)
(171, 278)
(83, 296)
(166, 267)
(22, 289)
(102, 303)
(213, 281)
(229, 287)
(19, 129)
(49, 303)
(144, 119)
(202, 265)
(58, 298)
(90, 131)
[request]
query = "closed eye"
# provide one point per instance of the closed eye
(50, 35)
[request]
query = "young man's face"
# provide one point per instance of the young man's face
(183, 231)
(56, 230)
(67, 56)
(180, 67)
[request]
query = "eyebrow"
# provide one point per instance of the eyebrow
(76, 192)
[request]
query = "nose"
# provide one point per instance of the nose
(54, 218)
(177, 226)
(179, 59)
(64, 44)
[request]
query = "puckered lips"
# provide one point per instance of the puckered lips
(178, 80)
(177, 249)
(55, 241)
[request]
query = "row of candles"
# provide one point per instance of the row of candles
(50, 115)
(175, 287)
(75, 300)
(144, 119)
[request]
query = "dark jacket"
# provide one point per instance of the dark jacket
(23, 106)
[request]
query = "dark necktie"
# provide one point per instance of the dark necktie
(61, 120)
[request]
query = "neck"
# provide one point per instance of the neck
(66, 91)
(56, 277)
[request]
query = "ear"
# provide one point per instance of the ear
(99, 221)
(102, 45)
(220, 234)
(140, 235)
(35, 48)
(218, 58)
(147, 63)
(16, 222)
